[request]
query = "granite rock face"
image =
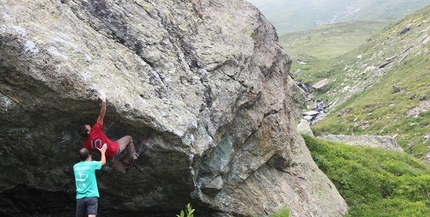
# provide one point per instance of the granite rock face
(202, 86)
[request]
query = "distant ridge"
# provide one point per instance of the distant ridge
(292, 16)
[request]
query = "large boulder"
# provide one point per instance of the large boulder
(201, 85)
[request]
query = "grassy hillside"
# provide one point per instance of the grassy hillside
(368, 97)
(329, 41)
(374, 182)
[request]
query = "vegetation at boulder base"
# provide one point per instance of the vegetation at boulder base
(374, 182)
(189, 211)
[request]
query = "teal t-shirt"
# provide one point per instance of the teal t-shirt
(85, 178)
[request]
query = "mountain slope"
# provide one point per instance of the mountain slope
(374, 182)
(382, 87)
(293, 16)
(329, 41)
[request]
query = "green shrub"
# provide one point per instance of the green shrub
(374, 182)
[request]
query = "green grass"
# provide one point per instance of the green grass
(374, 182)
(329, 41)
(381, 111)
(281, 213)
(375, 108)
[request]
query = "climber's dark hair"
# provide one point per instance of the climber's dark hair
(83, 131)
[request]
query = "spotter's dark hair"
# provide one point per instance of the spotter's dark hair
(83, 154)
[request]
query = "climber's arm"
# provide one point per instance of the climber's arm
(102, 109)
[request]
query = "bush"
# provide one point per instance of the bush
(374, 182)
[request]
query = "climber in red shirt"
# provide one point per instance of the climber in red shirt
(95, 138)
